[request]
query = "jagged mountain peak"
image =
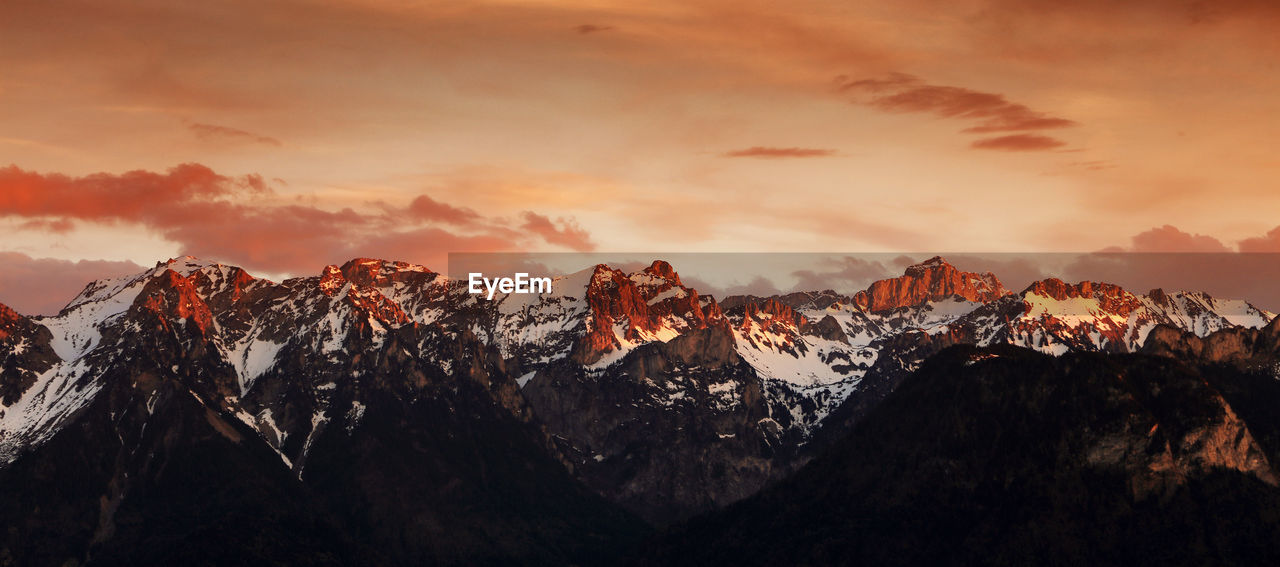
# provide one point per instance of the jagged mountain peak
(187, 264)
(207, 275)
(931, 280)
(172, 297)
(625, 310)
(771, 309)
(659, 274)
(1099, 297)
(663, 269)
(653, 280)
(372, 273)
(602, 271)
(934, 263)
(1159, 297)
(1060, 290)
(367, 271)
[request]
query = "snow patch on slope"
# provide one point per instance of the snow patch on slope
(45, 407)
(252, 358)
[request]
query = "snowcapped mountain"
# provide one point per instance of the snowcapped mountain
(316, 402)
(1049, 316)
(1055, 317)
(659, 398)
(929, 281)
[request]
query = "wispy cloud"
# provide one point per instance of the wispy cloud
(991, 112)
(1093, 165)
(567, 233)
(591, 28)
(1018, 143)
(215, 132)
(772, 153)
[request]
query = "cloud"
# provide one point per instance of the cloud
(42, 286)
(1093, 165)
(237, 220)
(903, 93)
(426, 208)
(900, 92)
(292, 238)
(1168, 238)
(591, 28)
(845, 275)
(215, 132)
(1270, 242)
(1018, 143)
(769, 152)
(568, 234)
(759, 286)
(131, 196)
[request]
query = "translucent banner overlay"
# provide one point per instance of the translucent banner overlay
(1245, 276)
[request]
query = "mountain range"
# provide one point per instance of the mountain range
(378, 413)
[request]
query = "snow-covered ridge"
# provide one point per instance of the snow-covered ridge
(77, 334)
(1111, 319)
(254, 321)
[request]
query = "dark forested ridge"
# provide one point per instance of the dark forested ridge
(1004, 456)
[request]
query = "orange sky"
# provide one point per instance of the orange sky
(287, 136)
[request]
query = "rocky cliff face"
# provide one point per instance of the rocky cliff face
(26, 353)
(628, 309)
(932, 280)
(1248, 348)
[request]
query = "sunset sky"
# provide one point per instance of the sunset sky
(287, 136)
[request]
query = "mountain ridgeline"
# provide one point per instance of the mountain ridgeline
(378, 413)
